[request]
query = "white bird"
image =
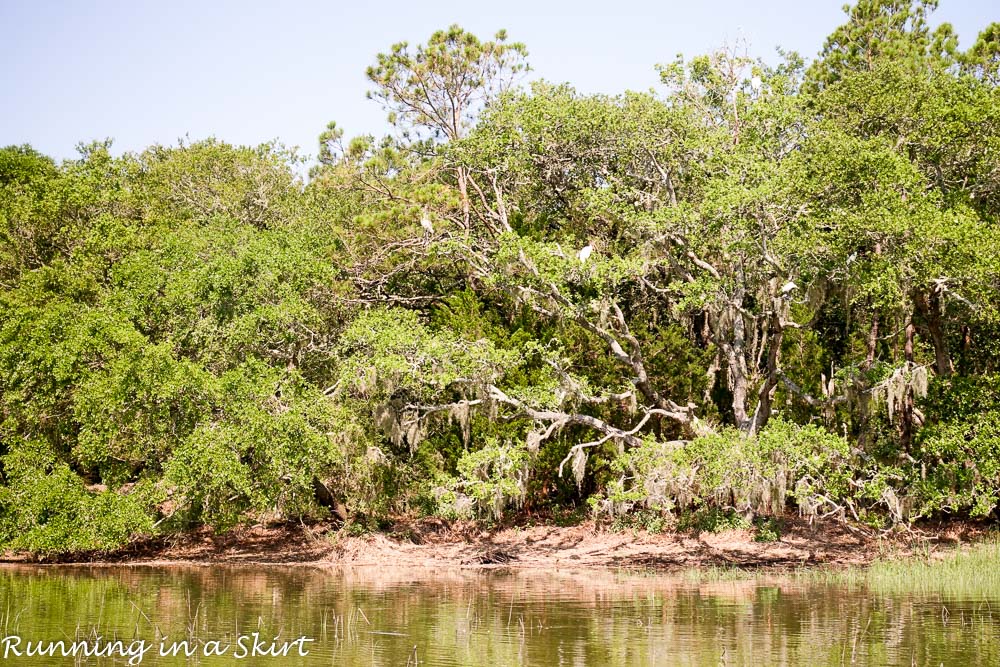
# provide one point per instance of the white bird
(425, 222)
(756, 83)
(585, 253)
(788, 287)
(853, 256)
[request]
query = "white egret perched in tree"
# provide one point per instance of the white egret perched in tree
(585, 252)
(756, 83)
(787, 288)
(425, 222)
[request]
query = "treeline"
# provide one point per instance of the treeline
(767, 287)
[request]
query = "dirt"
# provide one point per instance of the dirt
(435, 543)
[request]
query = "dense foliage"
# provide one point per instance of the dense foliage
(766, 287)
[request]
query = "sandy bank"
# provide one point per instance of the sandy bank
(435, 543)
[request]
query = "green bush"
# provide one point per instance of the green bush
(712, 520)
(961, 467)
(730, 471)
(494, 477)
(261, 458)
(46, 509)
(652, 521)
(767, 529)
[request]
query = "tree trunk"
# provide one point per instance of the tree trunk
(930, 309)
(463, 191)
(872, 343)
(906, 418)
(966, 350)
(735, 350)
(864, 400)
(765, 399)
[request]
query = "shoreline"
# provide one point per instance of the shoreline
(432, 543)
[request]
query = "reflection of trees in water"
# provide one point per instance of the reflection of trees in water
(376, 615)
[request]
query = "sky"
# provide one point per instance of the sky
(144, 72)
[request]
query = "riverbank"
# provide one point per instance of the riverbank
(435, 543)
(913, 611)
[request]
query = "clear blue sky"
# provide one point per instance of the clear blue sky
(144, 72)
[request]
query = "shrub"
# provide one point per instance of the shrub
(494, 477)
(46, 508)
(961, 467)
(729, 471)
(767, 529)
(712, 520)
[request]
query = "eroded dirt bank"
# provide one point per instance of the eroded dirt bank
(434, 543)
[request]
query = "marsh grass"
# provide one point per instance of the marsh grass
(970, 571)
(966, 571)
(717, 573)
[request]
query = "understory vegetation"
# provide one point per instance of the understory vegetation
(769, 286)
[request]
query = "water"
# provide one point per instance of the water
(452, 617)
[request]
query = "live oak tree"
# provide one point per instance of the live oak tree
(761, 286)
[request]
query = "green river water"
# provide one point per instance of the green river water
(383, 616)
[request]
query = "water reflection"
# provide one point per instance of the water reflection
(366, 616)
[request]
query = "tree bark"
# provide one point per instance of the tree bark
(765, 398)
(463, 191)
(737, 369)
(906, 418)
(929, 306)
